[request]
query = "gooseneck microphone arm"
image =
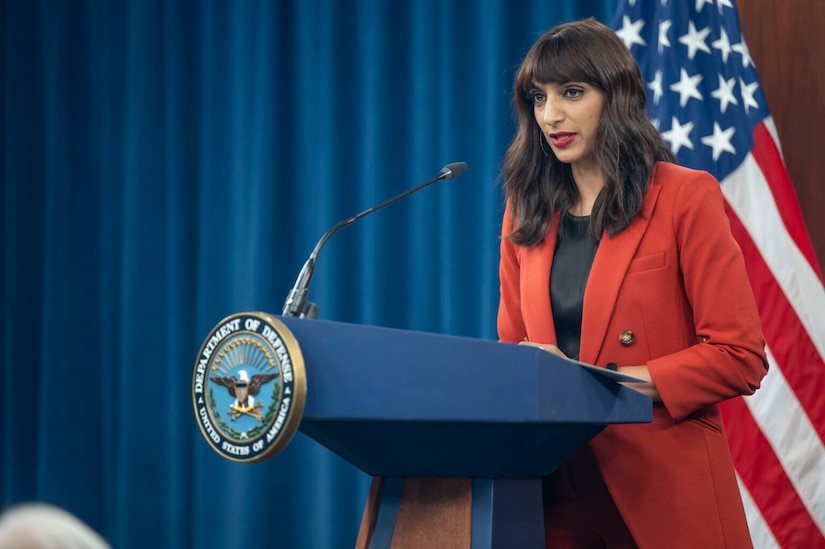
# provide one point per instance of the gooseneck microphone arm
(296, 302)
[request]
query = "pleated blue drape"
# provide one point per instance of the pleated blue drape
(168, 163)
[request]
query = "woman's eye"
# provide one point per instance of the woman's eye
(573, 92)
(537, 98)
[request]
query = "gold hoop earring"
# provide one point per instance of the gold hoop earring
(541, 143)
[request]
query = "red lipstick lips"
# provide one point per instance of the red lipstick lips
(561, 139)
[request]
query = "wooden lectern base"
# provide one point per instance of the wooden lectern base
(452, 513)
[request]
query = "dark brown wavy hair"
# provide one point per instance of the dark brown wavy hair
(627, 144)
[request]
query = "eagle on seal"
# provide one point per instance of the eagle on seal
(243, 388)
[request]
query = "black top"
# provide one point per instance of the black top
(572, 260)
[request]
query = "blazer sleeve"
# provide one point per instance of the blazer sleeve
(729, 357)
(510, 322)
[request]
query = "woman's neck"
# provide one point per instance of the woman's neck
(589, 182)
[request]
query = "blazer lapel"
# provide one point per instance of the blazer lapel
(609, 268)
(535, 266)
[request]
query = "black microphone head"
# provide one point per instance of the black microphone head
(451, 171)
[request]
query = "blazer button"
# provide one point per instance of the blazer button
(627, 337)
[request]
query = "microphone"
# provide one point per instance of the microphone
(296, 303)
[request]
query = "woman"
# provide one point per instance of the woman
(611, 253)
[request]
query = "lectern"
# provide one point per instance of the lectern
(419, 411)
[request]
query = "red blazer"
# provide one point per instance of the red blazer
(676, 279)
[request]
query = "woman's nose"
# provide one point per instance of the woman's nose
(550, 113)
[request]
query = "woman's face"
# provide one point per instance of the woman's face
(568, 115)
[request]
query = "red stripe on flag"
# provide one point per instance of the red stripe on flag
(769, 486)
(792, 348)
(767, 156)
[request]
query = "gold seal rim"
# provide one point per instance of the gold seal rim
(294, 416)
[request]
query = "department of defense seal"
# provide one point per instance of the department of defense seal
(249, 387)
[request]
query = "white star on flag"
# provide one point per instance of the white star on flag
(656, 86)
(695, 40)
(687, 87)
(742, 49)
(723, 45)
(629, 33)
(678, 135)
(724, 93)
(664, 41)
(748, 91)
(701, 3)
(720, 140)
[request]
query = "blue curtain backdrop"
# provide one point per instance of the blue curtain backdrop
(168, 163)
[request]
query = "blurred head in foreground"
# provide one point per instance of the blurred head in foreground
(44, 526)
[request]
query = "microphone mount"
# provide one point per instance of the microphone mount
(296, 303)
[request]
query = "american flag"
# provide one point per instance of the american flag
(707, 102)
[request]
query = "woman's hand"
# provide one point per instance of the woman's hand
(648, 387)
(549, 347)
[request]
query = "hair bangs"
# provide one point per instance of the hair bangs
(561, 58)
